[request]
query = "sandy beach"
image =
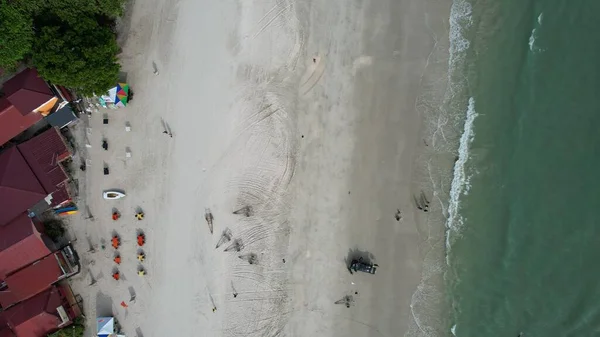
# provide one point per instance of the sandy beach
(305, 115)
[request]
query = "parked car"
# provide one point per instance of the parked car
(363, 266)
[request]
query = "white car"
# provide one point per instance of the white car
(113, 195)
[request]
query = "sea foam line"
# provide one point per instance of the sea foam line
(460, 20)
(460, 181)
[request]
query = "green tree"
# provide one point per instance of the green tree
(16, 35)
(72, 9)
(74, 330)
(54, 229)
(79, 54)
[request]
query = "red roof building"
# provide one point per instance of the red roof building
(43, 153)
(30, 172)
(26, 99)
(37, 316)
(28, 92)
(30, 280)
(20, 244)
(19, 186)
(13, 122)
(5, 330)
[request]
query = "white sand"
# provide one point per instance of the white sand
(305, 111)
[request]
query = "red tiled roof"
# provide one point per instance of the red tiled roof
(13, 122)
(20, 245)
(60, 196)
(37, 316)
(28, 281)
(43, 153)
(5, 330)
(19, 186)
(27, 91)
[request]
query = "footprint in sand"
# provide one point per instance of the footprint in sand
(314, 71)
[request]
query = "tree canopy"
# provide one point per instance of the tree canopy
(16, 34)
(70, 9)
(79, 55)
(70, 42)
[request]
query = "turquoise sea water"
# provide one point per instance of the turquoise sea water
(524, 247)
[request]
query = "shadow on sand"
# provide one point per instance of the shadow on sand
(104, 305)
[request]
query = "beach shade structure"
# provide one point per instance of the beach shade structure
(119, 94)
(141, 239)
(115, 241)
(106, 326)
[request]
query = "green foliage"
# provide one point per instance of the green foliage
(80, 55)
(68, 10)
(74, 330)
(72, 43)
(54, 229)
(16, 35)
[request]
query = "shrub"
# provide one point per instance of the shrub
(54, 229)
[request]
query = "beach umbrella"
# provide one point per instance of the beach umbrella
(122, 94)
(106, 326)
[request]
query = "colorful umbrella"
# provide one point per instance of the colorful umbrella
(122, 94)
(119, 95)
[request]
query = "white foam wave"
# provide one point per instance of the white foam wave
(534, 32)
(532, 40)
(453, 330)
(460, 182)
(460, 20)
(427, 298)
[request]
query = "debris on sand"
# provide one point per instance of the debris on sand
(246, 210)
(209, 219)
(225, 237)
(236, 246)
(235, 293)
(421, 202)
(251, 258)
(347, 300)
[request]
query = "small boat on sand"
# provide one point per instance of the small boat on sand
(113, 195)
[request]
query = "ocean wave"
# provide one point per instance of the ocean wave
(460, 182)
(532, 40)
(534, 32)
(460, 20)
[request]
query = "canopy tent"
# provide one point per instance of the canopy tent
(106, 326)
(118, 96)
(121, 94)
